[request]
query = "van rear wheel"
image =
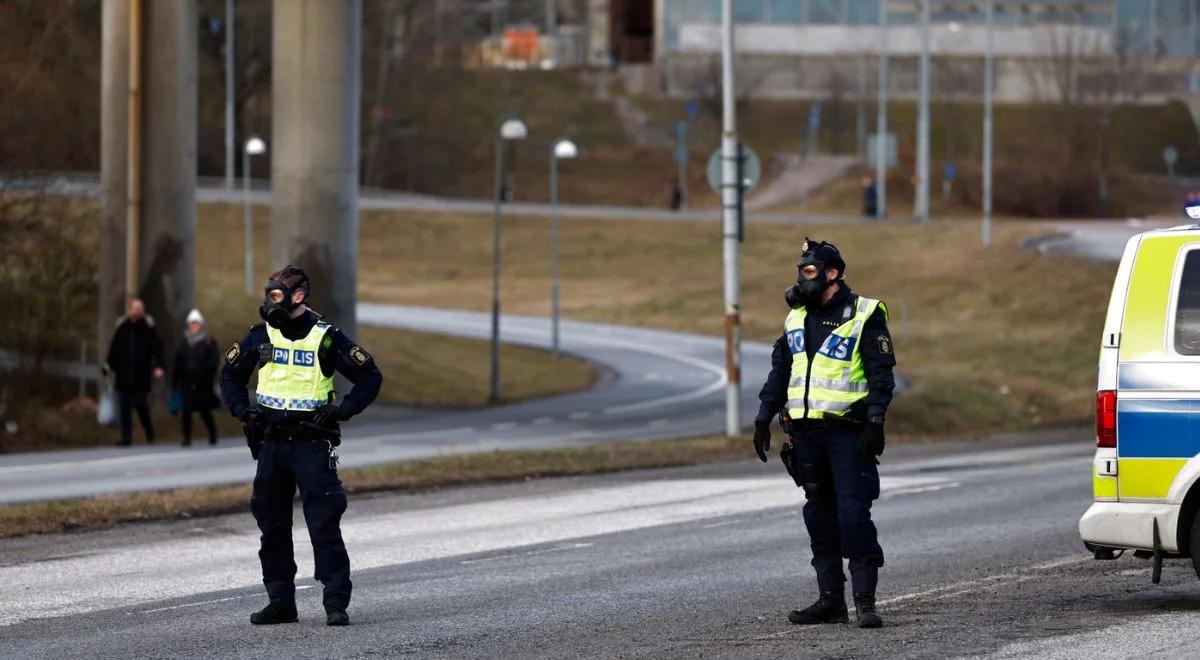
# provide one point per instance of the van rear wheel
(1194, 542)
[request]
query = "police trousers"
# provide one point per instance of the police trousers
(839, 488)
(282, 466)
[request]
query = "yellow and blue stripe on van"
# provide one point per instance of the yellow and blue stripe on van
(1155, 437)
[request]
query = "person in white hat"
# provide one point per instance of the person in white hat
(195, 373)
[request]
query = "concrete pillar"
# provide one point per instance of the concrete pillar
(114, 98)
(167, 246)
(599, 22)
(315, 90)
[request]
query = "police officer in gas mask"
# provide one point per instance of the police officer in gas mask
(831, 382)
(292, 428)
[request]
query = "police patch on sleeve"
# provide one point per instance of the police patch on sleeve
(233, 353)
(884, 343)
(359, 356)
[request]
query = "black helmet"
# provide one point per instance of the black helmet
(825, 254)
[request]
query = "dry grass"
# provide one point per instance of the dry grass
(992, 340)
(419, 369)
(51, 517)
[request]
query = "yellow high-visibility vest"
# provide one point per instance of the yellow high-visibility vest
(293, 379)
(835, 380)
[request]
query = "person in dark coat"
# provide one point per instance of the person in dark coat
(135, 359)
(194, 375)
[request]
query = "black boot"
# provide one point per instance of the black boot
(274, 613)
(829, 608)
(335, 617)
(864, 606)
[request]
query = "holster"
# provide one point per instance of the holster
(787, 455)
(333, 435)
(785, 422)
(255, 432)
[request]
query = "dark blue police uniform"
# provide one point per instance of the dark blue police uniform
(293, 455)
(839, 485)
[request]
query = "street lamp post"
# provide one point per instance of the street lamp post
(921, 201)
(510, 129)
(989, 81)
(229, 66)
(254, 147)
(562, 149)
(881, 118)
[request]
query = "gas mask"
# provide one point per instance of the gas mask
(277, 305)
(811, 280)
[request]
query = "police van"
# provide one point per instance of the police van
(1146, 472)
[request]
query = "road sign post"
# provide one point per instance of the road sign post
(750, 167)
(681, 158)
(729, 194)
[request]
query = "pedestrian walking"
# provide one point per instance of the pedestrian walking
(135, 360)
(194, 376)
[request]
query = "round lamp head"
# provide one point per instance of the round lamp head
(565, 148)
(256, 146)
(513, 129)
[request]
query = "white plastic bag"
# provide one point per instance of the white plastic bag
(106, 408)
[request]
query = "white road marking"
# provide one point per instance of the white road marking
(970, 586)
(922, 489)
(504, 426)
(723, 523)
(509, 555)
(582, 414)
(208, 602)
(542, 421)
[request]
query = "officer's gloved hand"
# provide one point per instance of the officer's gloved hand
(871, 441)
(762, 439)
(327, 416)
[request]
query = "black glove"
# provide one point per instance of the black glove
(762, 439)
(327, 416)
(871, 441)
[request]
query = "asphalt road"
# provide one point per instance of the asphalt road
(983, 558)
(208, 190)
(656, 385)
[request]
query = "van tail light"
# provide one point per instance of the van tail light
(1106, 419)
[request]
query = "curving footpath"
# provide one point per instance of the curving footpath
(1098, 240)
(657, 385)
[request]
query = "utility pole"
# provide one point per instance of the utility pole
(921, 202)
(989, 81)
(860, 124)
(133, 194)
(229, 92)
(730, 195)
(882, 118)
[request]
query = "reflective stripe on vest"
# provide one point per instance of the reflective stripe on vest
(292, 379)
(836, 379)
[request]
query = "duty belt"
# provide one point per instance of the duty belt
(301, 430)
